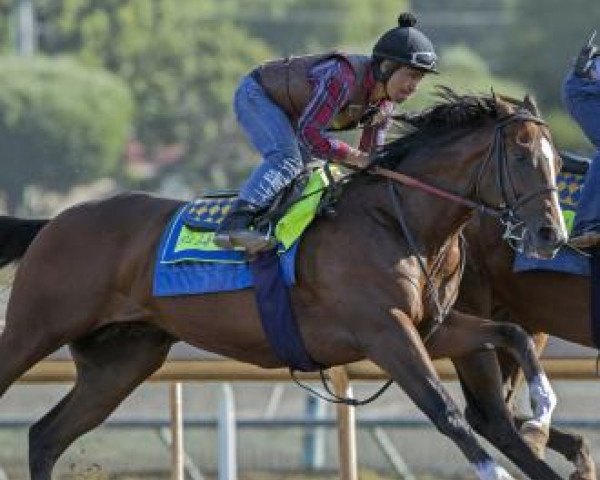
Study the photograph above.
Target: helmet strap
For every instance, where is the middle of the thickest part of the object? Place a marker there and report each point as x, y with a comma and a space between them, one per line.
384, 76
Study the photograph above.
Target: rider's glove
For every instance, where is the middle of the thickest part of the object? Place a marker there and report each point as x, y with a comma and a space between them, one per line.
584, 61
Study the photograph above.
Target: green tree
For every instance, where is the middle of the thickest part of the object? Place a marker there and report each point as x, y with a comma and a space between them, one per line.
464, 71
181, 64
304, 26
59, 123
545, 36
5, 25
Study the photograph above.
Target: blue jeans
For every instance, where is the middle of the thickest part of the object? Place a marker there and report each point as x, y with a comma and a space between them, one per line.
581, 97
269, 129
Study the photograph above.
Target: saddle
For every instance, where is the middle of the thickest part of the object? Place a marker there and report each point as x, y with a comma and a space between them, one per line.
573, 163
207, 212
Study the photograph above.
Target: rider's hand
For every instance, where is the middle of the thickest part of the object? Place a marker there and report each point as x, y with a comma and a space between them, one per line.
357, 158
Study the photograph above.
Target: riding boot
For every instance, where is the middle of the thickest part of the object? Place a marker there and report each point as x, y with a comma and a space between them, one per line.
236, 229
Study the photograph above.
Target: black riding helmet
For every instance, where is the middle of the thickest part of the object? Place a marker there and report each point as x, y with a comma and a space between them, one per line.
404, 45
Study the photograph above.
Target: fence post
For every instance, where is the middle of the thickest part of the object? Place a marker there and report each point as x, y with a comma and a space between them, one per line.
314, 437
346, 425
177, 455
227, 434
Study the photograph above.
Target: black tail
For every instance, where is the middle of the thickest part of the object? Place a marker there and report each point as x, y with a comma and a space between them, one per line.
16, 235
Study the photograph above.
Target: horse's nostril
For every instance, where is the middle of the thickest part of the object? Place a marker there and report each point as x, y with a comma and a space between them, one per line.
550, 235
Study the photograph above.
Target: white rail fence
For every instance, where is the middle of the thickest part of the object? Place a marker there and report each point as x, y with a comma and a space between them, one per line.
175, 372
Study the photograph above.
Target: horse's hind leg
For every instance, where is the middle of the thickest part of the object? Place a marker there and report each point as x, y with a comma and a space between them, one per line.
108, 369
20, 349
486, 410
463, 334
47, 309
489, 415
574, 448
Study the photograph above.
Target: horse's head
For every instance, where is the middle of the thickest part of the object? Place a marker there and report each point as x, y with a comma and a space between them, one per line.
498, 153
521, 179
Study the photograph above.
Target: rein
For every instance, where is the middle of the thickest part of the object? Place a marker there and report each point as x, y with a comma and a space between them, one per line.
453, 197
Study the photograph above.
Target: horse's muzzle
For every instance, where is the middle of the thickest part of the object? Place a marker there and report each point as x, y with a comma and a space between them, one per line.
545, 243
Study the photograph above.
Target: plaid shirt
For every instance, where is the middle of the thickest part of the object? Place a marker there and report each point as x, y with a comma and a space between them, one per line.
332, 82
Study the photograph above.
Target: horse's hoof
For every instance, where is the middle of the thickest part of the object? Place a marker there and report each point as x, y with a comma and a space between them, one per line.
586, 469
577, 475
536, 437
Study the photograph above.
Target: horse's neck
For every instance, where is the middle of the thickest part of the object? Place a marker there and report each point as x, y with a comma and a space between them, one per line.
432, 219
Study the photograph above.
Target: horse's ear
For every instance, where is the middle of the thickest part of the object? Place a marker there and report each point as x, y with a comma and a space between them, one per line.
530, 104
503, 108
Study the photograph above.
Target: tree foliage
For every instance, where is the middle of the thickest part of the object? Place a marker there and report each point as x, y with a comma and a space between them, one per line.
303, 26
181, 64
464, 71
545, 36
59, 123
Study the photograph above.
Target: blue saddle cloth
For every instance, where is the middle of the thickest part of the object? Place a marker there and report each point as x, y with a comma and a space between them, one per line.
184, 267
566, 260
189, 263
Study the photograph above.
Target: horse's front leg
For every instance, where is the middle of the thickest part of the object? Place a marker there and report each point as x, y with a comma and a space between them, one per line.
461, 334
537, 437
398, 349
514, 375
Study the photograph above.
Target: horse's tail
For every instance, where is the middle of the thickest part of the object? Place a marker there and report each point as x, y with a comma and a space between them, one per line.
16, 234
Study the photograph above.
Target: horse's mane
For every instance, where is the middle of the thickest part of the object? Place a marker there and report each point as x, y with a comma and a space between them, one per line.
453, 113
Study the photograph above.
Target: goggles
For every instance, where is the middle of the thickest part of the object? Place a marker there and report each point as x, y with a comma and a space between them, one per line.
425, 59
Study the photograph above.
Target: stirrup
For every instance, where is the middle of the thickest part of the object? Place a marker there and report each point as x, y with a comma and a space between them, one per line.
222, 240
252, 241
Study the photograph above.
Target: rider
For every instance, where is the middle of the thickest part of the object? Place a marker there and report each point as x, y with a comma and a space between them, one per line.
581, 96
286, 107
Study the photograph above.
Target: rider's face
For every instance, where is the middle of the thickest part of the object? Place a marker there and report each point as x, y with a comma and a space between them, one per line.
403, 83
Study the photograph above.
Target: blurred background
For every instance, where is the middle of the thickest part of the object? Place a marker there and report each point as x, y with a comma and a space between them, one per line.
98, 96
101, 96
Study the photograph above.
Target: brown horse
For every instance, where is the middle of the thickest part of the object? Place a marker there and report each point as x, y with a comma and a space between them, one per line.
541, 302
85, 279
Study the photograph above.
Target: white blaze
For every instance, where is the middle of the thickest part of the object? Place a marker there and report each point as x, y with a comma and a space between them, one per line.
548, 152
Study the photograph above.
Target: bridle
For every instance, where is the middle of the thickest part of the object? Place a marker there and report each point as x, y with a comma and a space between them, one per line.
507, 211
